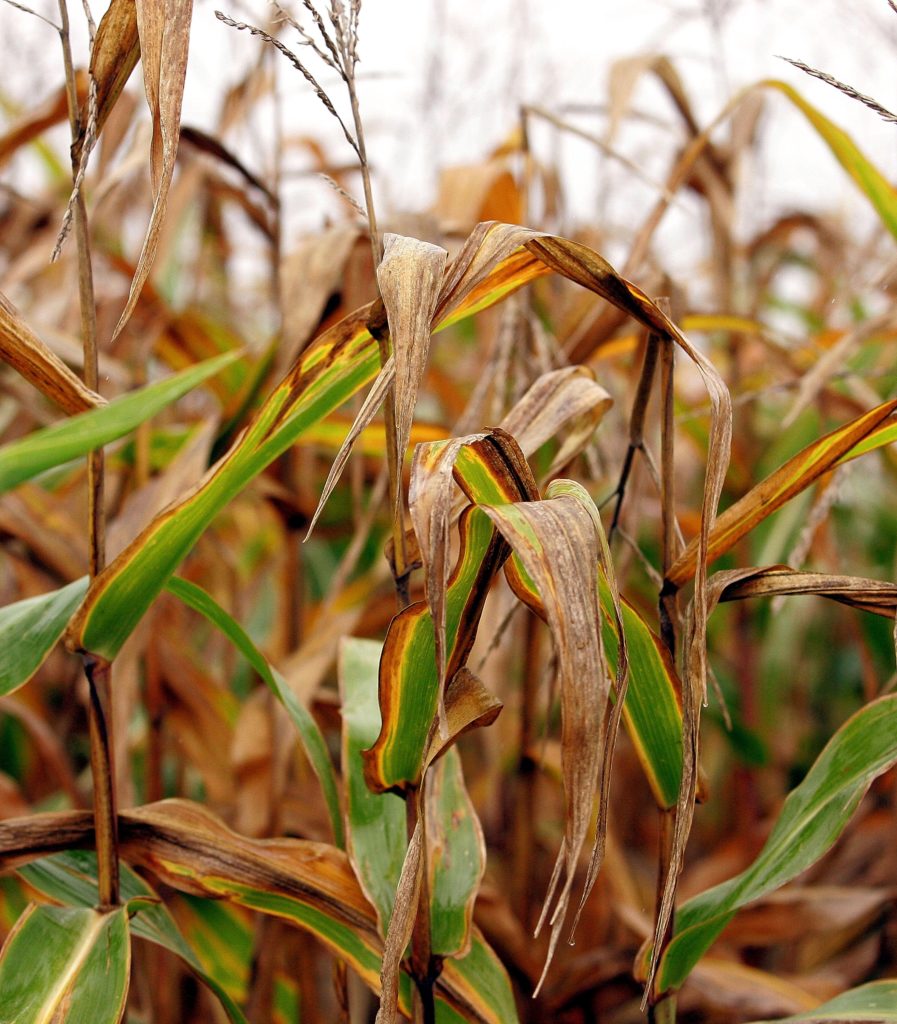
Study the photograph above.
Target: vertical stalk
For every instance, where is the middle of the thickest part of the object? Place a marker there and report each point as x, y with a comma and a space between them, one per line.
393, 456
636, 424
662, 1008
424, 966
98, 671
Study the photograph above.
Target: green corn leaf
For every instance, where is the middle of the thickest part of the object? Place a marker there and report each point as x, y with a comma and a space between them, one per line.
328, 373
377, 829
313, 742
377, 838
65, 964
875, 1003
70, 878
410, 686
78, 435
812, 818
456, 856
30, 629
652, 709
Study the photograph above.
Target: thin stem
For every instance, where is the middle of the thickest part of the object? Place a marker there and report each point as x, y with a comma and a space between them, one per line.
98, 671
425, 968
636, 424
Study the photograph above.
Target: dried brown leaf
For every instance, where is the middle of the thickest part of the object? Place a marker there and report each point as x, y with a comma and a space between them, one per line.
114, 56
309, 276
26, 353
557, 544
164, 31
876, 596
410, 277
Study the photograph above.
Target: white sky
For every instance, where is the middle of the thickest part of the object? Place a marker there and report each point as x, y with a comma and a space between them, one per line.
442, 81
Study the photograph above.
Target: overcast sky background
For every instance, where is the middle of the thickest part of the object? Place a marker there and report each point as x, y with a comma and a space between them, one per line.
442, 80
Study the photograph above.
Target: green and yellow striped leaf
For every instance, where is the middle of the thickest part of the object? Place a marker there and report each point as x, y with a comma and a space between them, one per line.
70, 879
65, 964
788, 480
812, 818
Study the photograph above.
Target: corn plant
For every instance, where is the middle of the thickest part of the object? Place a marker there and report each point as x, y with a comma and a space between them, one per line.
273, 746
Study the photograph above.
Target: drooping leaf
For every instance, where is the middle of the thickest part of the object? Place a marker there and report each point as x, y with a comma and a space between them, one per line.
29, 356
556, 542
30, 629
770, 494
876, 596
70, 878
874, 1003
65, 964
308, 884
61, 442
410, 277
114, 56
410, 690
652, 709
163, 28
812, 818
313, 742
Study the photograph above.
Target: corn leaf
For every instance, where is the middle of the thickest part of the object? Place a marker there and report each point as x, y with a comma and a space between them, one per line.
871, 181
410, 680
326, 375
556, 542
313, 742
409, 276
812, 818
163, 28
82, 971
114, 56
61, 442
456, 856
770, 494
876, 596
652, 707
875, 1003
29, 356
377, 839
70, 878
30, 629
308, 884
